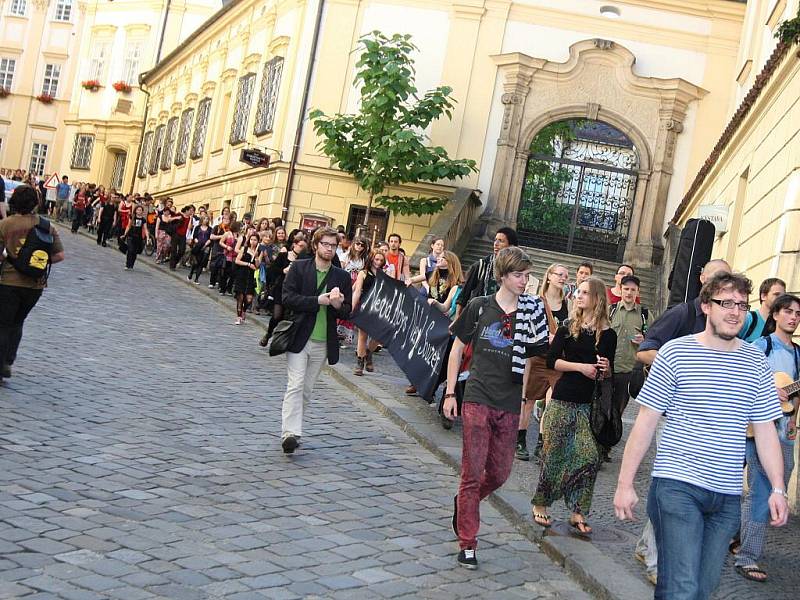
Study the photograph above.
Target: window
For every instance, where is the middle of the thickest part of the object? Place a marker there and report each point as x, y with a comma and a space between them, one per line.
183, 136
268, 99
130, 69
38, 158
242, 110
7, 68
63, 10
97, 64
119, 170
82, 151
145, 154
158, 147
18, 8
50, 83
200, 128
169, 144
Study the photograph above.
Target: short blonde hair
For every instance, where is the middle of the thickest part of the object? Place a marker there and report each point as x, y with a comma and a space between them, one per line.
509, 260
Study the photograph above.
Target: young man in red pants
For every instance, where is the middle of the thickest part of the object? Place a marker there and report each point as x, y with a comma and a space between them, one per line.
505, 330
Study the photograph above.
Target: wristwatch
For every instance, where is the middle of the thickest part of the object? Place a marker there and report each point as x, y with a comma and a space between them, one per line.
781, 492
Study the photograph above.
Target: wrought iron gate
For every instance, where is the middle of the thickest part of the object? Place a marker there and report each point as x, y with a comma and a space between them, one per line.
580, 202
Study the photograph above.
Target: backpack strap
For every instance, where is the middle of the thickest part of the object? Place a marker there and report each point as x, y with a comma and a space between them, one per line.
768, 349
753, 323
645, 314
612, 310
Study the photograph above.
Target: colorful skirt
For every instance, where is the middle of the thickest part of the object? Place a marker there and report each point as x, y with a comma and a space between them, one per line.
570, 457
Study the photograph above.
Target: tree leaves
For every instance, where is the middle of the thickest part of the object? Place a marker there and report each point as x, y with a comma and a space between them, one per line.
384, 144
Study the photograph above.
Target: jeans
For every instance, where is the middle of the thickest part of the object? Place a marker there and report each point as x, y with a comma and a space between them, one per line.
755, 504
487, 454
693, 527
15, 304
303, 371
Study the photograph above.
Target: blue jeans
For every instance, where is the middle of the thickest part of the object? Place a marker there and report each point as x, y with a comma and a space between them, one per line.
693, 527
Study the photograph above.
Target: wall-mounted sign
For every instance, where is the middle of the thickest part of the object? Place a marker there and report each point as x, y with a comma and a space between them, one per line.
253, 157
311, 222
718, 215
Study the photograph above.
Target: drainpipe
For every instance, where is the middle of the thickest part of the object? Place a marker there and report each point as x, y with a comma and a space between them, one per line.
163, 31
287, 193
141, 133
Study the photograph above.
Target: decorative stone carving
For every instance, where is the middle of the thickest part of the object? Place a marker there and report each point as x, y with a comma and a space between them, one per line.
596, 82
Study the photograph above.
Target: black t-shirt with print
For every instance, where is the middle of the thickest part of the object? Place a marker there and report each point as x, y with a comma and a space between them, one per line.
490, 380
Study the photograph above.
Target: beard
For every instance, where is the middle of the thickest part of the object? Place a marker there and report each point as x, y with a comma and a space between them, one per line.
723, 335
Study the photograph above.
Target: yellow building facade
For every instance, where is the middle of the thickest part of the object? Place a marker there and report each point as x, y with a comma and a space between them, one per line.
38, 49
102, 125
656, 73
752, 177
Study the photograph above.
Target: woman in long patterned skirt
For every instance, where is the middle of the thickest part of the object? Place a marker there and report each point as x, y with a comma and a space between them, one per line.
582, 351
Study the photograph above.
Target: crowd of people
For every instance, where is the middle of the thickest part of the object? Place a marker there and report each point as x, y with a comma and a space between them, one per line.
522, 348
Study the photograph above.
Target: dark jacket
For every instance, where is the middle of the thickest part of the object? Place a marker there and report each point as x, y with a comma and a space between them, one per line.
300, 296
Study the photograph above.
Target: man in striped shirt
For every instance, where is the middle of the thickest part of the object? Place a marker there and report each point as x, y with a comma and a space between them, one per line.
709, 385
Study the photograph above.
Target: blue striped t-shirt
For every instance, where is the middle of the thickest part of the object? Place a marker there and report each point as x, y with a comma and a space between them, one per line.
708, 396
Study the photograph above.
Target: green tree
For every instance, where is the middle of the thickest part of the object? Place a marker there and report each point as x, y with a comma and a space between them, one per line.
384, 144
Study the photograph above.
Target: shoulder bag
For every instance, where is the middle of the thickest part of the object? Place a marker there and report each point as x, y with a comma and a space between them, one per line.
285, 330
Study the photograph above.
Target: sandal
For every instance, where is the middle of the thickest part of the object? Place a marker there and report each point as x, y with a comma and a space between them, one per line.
581, 527
752, 572
543, 520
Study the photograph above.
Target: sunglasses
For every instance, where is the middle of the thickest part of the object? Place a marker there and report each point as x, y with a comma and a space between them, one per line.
508, 329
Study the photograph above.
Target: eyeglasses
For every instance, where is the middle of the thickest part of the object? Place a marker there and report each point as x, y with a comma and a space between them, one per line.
359, 243
507, 327
729, 304
328, 245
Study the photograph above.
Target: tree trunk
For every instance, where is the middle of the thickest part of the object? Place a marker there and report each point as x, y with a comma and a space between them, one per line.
364, 229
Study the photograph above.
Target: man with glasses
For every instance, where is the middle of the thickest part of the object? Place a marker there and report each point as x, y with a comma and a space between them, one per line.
318, 293
695, 497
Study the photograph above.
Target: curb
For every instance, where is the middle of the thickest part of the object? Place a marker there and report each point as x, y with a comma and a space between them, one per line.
595, 572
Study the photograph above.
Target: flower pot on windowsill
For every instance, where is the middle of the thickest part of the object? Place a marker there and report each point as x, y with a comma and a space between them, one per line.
45, 98
122, 87
91, 84
4, 92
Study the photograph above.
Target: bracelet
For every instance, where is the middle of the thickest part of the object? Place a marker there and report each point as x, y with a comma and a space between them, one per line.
780, 491
452, 395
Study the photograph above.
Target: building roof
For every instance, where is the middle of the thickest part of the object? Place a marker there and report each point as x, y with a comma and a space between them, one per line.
763, 78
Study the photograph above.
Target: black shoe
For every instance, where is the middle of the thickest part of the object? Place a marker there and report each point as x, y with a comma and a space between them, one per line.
522, 452
5, 371
289, 444
468, 559
537, 452
455, 514
446, 423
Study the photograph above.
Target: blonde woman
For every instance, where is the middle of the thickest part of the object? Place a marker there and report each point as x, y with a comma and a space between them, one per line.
444, 281
583, 351
553, 283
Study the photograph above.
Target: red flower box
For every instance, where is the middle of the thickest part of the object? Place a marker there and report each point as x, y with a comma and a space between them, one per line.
122, 87
45, 98
91, 84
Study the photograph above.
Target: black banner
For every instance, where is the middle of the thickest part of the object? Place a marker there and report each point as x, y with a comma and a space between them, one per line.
415, 333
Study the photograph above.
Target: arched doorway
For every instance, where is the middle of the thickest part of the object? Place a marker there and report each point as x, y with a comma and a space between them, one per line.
578, 190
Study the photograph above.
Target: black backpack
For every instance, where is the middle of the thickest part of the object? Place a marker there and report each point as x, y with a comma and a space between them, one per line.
33, 258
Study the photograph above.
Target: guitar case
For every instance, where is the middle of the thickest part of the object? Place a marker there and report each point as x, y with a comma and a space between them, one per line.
694, 251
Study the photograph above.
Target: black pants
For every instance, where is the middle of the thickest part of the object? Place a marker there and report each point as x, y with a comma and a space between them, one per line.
134, 248
15, 304
217, 265
177, 249
77, 220
226, 278
621, 397
103, 232
199, 264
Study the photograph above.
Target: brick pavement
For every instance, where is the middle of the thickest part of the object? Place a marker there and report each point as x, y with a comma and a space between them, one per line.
140, 458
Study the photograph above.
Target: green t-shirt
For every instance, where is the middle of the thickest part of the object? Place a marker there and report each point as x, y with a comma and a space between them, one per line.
320, 331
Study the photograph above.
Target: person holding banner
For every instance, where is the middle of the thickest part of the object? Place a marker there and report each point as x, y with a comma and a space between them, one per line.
505, 331
364, 282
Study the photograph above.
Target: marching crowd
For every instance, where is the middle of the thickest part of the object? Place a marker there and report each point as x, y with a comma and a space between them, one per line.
557, 349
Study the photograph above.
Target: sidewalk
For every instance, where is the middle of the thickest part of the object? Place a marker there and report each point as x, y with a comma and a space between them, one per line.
605, 566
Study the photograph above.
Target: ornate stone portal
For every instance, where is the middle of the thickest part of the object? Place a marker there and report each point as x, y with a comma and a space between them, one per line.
596, 82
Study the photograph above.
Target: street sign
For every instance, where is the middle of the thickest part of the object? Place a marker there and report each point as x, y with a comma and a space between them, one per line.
52, 182
254, 158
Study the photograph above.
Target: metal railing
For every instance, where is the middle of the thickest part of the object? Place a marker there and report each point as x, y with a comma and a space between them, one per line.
454, 224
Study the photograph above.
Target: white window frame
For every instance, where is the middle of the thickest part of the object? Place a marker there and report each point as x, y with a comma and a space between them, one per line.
63, 11
8, 66
118, 172
82, 151
101, 51
38, 158
50, 80
18, 8
133, 57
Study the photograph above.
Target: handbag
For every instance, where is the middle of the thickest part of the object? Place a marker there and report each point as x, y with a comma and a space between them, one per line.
605, 419
285, 330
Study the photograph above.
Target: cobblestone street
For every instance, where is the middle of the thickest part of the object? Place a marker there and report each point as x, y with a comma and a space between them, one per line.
140, 458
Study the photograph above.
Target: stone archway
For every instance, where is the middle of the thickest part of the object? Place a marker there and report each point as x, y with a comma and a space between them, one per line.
596, 83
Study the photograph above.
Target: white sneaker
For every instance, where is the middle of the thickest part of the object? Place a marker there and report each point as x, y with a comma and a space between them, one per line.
238, 321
